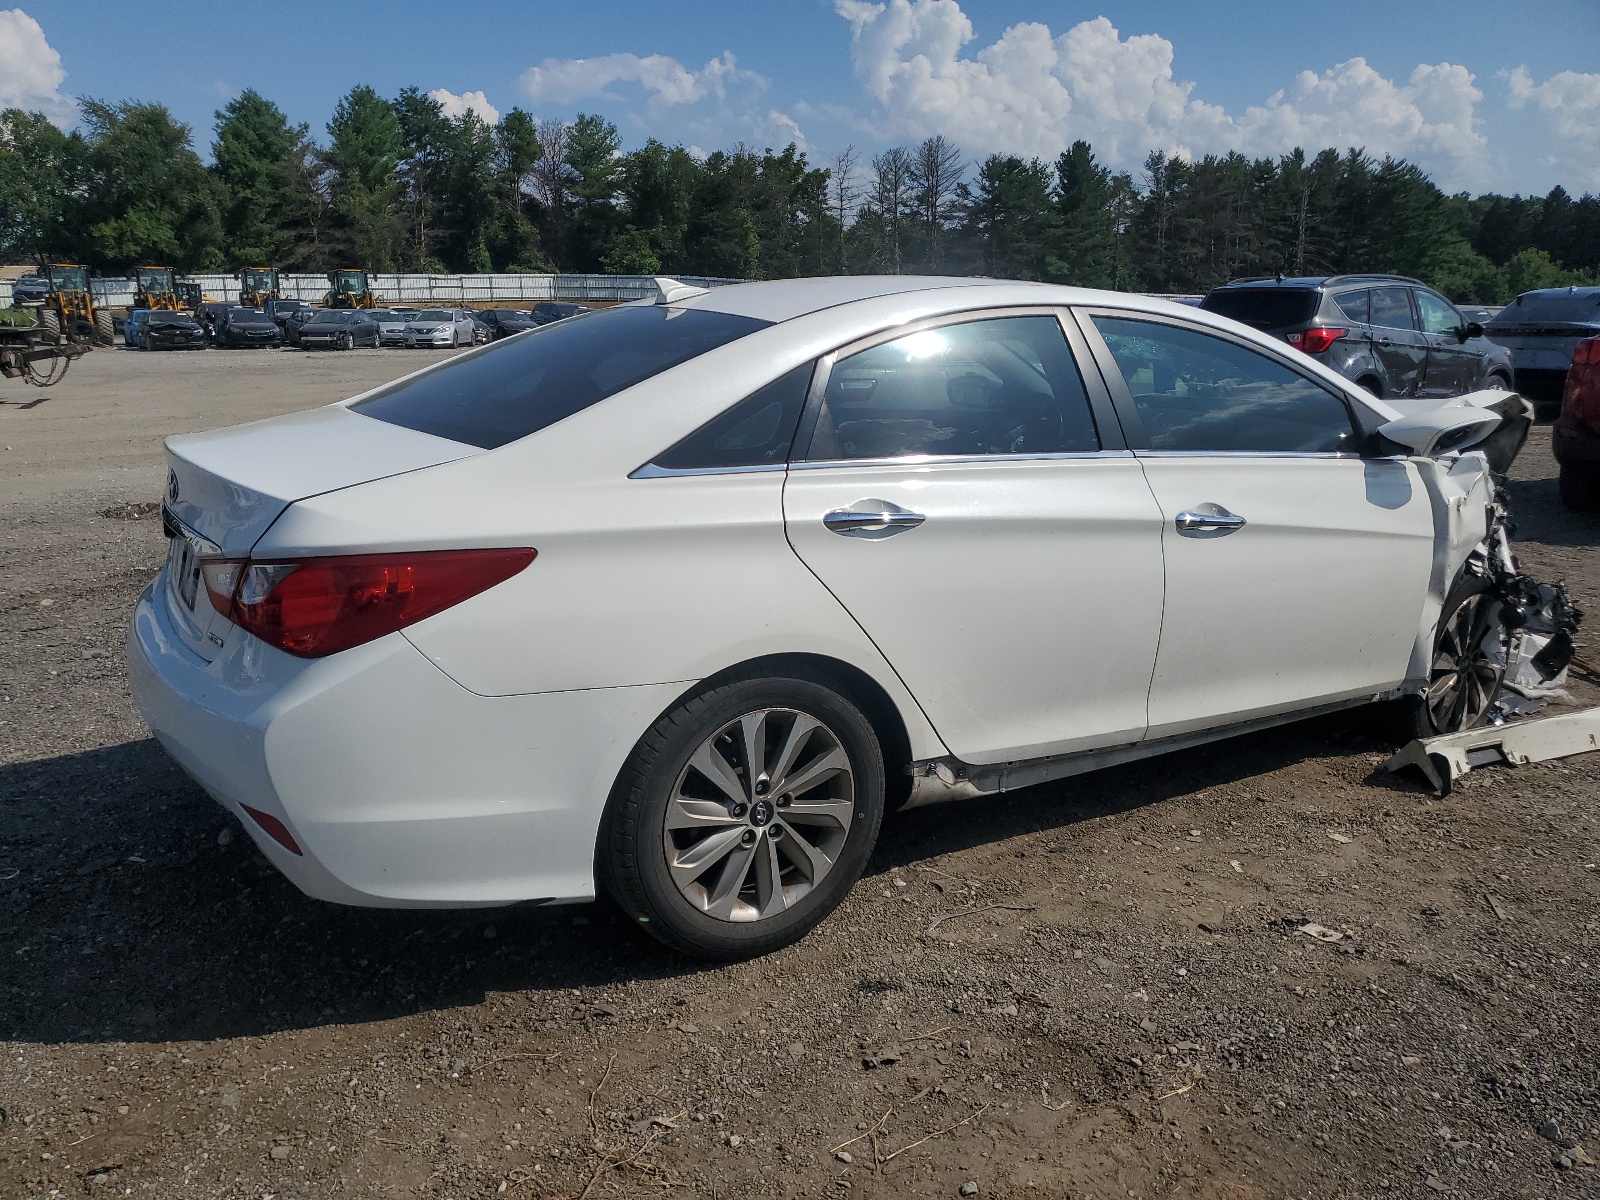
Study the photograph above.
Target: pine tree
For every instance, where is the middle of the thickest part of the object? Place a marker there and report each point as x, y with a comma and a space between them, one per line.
263, 196
363, 158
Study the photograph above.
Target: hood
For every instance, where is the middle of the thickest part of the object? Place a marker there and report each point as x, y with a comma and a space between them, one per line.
230, 485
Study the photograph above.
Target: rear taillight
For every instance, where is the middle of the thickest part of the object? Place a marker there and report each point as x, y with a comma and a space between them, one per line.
1315, 341
1582, 400
313, 607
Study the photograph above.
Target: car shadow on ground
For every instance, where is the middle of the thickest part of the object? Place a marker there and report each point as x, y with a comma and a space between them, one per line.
126, 920
1538, 516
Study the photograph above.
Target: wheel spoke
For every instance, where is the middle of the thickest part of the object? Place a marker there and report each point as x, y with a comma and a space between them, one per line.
812, 862
769, 879
689, 864
820, 812
754, 728
799, 733
718, 772
688, 812
823, 767
724, 898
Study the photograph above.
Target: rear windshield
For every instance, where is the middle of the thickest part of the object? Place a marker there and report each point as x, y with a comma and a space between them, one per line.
1550, 308
518, 386
1264, 308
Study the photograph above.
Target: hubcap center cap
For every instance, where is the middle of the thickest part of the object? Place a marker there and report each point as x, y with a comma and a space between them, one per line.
761, 813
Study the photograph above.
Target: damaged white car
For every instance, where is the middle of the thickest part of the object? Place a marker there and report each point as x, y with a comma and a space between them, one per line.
675, 599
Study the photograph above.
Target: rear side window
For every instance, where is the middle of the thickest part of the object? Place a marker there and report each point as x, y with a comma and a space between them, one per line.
1195, 393
1264, 308
1391, 308
1007, 385
518, 386
756, 432
1354, 305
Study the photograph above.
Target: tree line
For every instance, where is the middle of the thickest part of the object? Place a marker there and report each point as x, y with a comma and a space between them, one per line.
399, 185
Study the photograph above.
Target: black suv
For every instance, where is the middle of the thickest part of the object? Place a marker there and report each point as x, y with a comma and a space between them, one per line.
1393, 336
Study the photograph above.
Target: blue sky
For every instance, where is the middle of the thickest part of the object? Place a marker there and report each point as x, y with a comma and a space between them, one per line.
1485, 95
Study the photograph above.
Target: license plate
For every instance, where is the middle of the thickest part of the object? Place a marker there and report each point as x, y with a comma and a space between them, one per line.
183, 566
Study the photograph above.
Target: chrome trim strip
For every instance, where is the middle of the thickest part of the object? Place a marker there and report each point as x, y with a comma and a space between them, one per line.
1245, 454
651, 471
934, 460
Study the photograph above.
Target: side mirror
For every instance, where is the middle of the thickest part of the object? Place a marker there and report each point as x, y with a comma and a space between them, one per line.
1469, 331
1441, 430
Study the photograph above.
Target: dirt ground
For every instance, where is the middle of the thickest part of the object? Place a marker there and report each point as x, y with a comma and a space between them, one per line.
1094, 988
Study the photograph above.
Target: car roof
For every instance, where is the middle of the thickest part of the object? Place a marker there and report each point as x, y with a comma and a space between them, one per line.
1317, 281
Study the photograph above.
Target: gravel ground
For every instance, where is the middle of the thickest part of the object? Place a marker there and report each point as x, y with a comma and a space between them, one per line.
1094, 988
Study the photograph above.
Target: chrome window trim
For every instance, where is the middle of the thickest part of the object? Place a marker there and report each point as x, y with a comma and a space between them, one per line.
651, 471
939, 460
1246, 454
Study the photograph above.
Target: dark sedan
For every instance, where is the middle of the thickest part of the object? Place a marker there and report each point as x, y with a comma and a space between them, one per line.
503, 322
548, 311
1541, 330
171, 331
246, 327
339, 329
30, 289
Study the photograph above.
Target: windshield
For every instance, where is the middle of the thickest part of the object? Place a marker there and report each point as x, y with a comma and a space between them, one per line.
168, 318
251, 318
1263, 308
1577, 306
154, 280
518, 386
329, 316
351, 281
71, 279
433, 314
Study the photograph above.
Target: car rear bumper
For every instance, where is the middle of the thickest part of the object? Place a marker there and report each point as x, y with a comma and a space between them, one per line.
402, 789
1571, 443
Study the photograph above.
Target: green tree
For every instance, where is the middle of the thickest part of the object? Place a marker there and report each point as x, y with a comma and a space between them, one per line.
1085, 251
518, 153
263, 194
429, 143
146, 196
41, 177
1011, 220
594, 156
363, 157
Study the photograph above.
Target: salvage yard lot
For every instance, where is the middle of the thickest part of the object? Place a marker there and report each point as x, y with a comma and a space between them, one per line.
1090, 988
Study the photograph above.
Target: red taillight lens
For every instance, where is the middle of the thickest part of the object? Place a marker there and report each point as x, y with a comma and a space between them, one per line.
1587, 353
275, 829
313, 607
1315, 341
1582, 400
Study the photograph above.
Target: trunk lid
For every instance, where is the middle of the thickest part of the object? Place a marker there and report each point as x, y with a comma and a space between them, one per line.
229, 485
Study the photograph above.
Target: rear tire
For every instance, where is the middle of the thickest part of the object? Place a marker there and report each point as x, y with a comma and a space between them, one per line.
105, 329
1580, 487
347, 342
1371, 386
50, 322
1467, 668
720, 865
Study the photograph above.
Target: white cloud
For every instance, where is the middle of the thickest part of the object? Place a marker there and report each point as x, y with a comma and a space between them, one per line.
1033, 92
31, 74
1569, 103
475, 102
664, 79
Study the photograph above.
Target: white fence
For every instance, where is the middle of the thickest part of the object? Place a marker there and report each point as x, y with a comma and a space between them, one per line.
431, 289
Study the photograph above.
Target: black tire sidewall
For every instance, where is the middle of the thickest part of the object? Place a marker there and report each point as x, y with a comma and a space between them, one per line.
1579, 486
633, 863
1465, 588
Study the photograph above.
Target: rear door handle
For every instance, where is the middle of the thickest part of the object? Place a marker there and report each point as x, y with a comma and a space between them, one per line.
1219, 522
875, 519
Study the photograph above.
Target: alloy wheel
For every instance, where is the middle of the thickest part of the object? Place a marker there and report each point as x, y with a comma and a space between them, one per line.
1468, 665
759, 815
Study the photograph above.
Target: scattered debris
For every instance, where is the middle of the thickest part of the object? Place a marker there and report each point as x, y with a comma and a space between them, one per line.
1342, 838
982, 908
1322, 933
1443, 760
1500, 910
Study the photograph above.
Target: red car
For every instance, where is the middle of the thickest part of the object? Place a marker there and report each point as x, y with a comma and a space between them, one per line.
1576, 438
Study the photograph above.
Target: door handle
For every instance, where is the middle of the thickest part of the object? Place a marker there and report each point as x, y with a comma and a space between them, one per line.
1197, 524
887, 520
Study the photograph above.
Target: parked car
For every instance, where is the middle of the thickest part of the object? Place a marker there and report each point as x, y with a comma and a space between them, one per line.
163, 330
503, 322
131, 325
30, 289
246, 327
281, 310
1392, 336
641, 601
549, 311
1576, 436
1541, 331
339, 329
391, 326
293, 321
441, 327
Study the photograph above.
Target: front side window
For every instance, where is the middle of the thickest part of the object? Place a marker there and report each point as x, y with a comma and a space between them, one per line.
1391, 308
1438, 314
1006, 385
1197, 393
517, 386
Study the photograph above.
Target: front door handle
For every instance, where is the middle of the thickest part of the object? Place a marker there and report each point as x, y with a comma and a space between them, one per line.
875, 519
1210, 520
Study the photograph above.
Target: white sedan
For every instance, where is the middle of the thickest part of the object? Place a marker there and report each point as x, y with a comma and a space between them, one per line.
441, 327
674, 599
